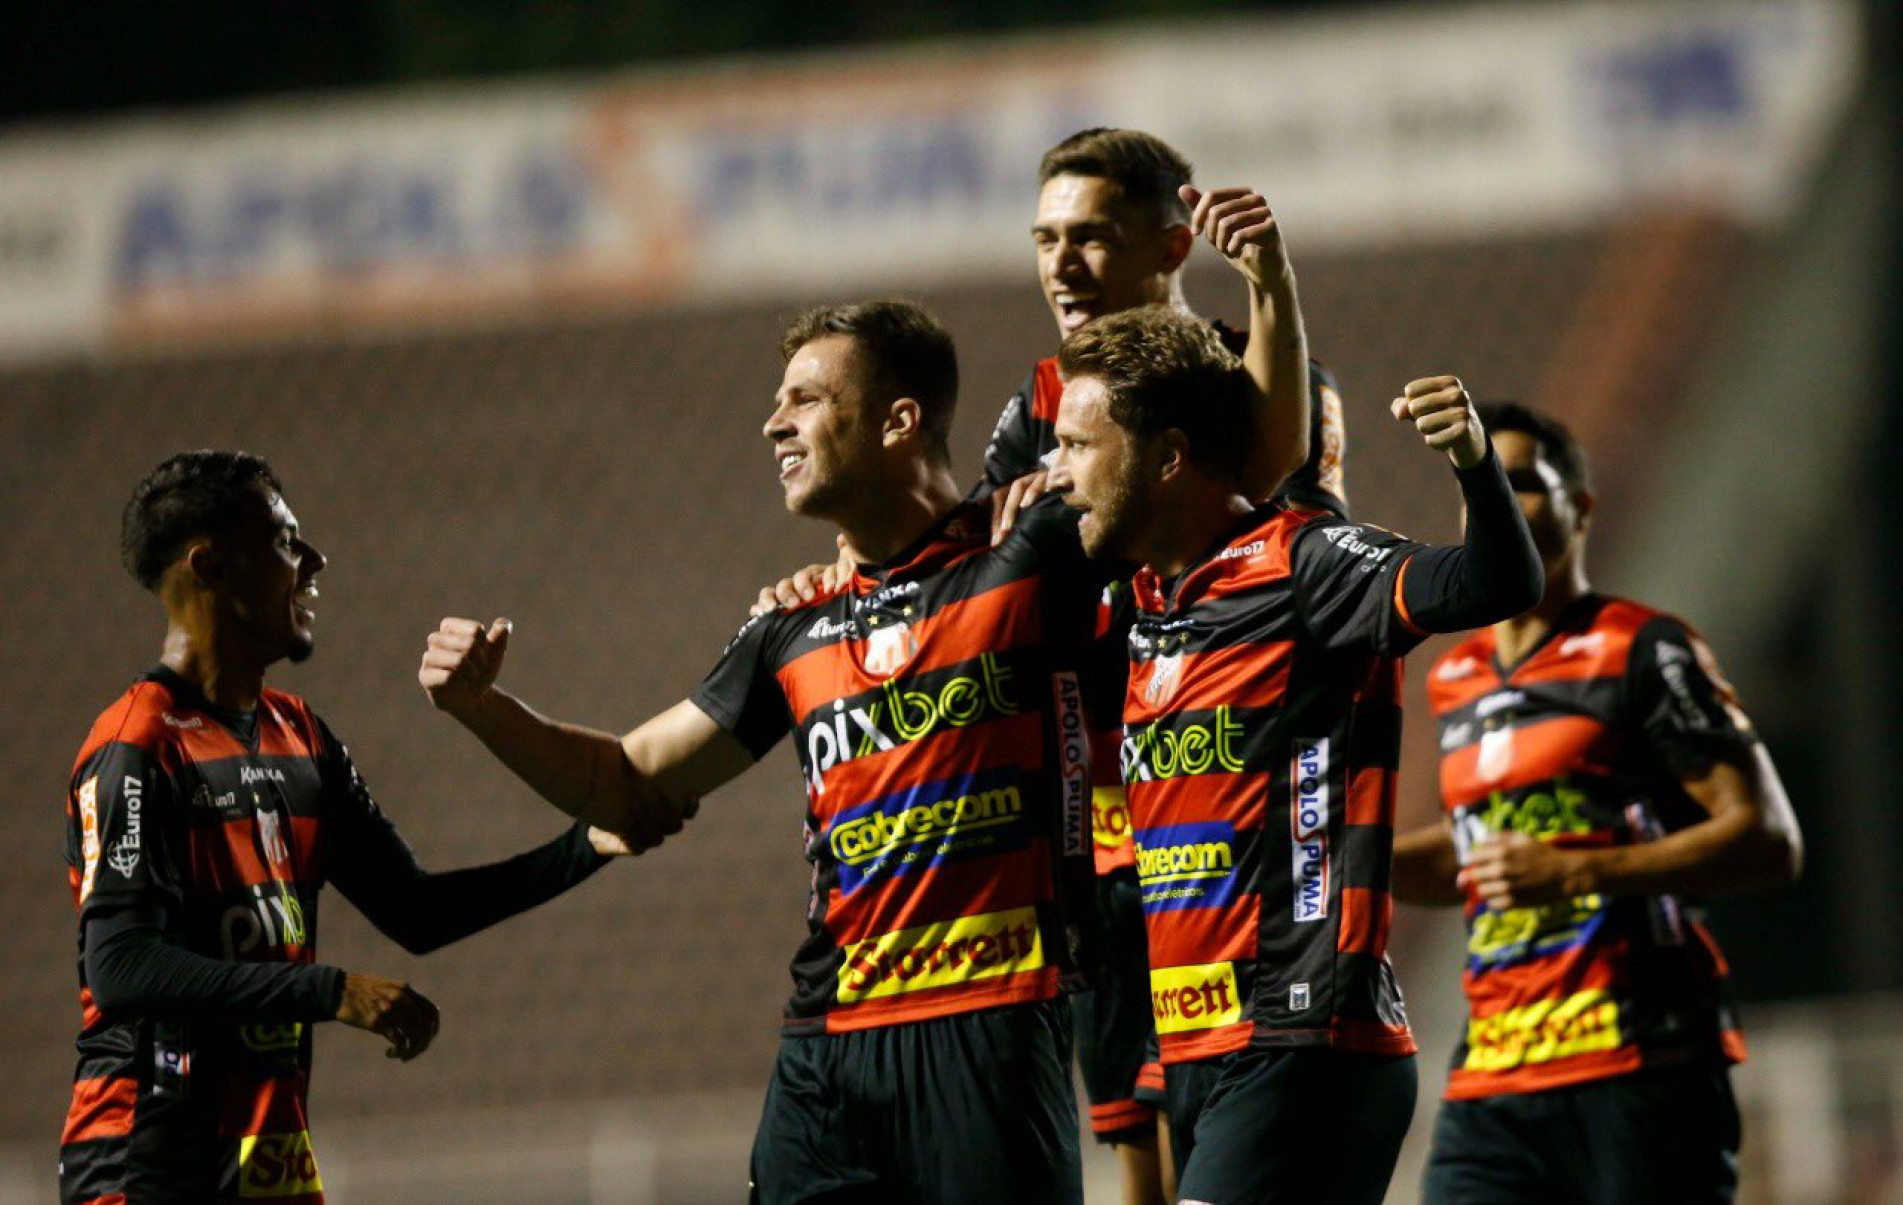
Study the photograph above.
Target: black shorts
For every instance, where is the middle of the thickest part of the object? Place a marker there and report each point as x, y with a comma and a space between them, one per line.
976, 1107
1305, 1125
1114, 1025
1660, 1135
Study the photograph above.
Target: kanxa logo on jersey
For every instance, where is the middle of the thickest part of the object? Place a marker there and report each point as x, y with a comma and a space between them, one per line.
905, 710
1308, 829
1195, 997
941, 955
1187, 866
970, 816
1073, 746
1182, 749
277, 1165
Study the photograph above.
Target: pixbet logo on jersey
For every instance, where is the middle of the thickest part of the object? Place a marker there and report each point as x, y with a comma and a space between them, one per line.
1184, 749
899, 712
1308, 826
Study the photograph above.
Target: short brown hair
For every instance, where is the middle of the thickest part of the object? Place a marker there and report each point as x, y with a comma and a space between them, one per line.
1165, 370
192, 494
1147, 169
908, 353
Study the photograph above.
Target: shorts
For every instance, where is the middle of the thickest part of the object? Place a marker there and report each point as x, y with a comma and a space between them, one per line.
1114, 1025
972, 1107
1659, 1135
1301, 1125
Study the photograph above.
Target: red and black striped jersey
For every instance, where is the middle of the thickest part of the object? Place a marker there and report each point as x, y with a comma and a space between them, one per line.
1024, 438
1262, 735
1584, 744
938, 717
176, 806
213, 831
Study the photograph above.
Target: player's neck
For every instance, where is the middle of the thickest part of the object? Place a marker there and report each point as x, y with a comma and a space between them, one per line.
1514, 638
1181, 534
224, 676
895, 519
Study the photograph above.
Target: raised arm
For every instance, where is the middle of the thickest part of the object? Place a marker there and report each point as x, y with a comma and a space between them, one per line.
1238, 223
643, 786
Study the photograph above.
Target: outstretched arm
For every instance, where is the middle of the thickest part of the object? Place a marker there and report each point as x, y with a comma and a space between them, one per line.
1239, 224
643, 786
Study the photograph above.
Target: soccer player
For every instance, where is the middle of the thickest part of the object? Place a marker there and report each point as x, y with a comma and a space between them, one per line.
1598, 776
206, 811
1117, 217
1262, 726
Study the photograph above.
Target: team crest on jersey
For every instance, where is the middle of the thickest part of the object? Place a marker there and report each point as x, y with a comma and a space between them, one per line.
889, 647
1496, 754
271, 837
1166, 674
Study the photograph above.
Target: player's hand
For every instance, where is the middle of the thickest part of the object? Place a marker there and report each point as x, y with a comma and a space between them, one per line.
391, 1009
1442, 412
1007, 502
1514, 870
461, 663
1238, 223
656, 827
807, 584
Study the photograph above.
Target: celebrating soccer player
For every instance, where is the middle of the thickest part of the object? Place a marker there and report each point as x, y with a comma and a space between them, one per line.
206, 811
1598, 776
1262, 727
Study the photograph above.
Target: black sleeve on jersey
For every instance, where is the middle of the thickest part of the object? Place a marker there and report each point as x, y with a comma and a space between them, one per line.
1495, 575
135, 810
131, 967
1343, 577
1687, 710
741, 694
423, 910
1013, 450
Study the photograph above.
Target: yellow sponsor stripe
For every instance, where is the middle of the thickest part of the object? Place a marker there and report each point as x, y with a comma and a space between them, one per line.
1543, 1031
1194, 997
942, 954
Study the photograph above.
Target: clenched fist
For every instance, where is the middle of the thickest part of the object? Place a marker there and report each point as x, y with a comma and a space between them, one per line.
1442, 412
461, 663
1238, 223
391, 1009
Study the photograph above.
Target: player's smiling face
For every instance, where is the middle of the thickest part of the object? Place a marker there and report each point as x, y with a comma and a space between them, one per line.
1097, 252
822, 439
1097, 468
272, 585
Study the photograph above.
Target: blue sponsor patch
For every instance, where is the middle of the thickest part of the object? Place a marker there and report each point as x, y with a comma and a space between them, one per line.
970, 816
1187, 866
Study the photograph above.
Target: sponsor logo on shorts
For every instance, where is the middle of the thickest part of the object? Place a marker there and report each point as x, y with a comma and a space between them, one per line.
1308, 830
1187, 866
941, 955
970, 816
1543, 1031
277, 1165
1195, 997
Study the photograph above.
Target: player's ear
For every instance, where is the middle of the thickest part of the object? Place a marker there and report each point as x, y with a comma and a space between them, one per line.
1584, 503
205, 563
1177, 242
1168, 454
903, 421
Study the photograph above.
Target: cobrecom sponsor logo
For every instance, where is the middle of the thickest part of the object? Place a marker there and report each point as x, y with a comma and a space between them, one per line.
1308, 825
1187, 866
1195, 997
277, 1165
903, 711
973, 815
941, 955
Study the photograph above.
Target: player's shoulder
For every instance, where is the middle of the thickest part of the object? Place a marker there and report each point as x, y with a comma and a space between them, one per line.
1045, 386
147, 718
1625, 625
292, 711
